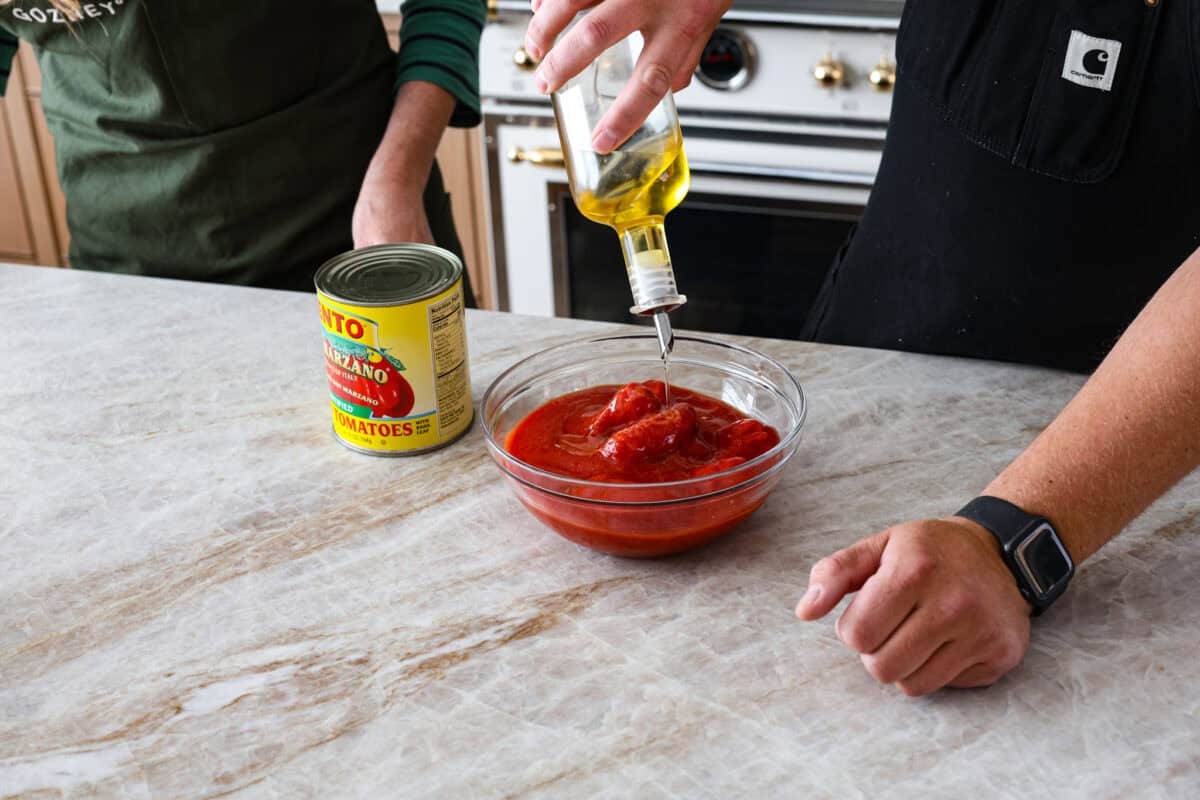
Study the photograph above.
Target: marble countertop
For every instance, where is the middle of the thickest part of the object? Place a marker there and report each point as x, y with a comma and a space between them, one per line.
202, 594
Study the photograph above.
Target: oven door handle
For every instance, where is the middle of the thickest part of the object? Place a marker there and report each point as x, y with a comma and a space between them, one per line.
783, 173
538, 156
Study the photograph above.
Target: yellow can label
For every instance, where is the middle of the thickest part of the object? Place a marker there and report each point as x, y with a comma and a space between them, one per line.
398, 375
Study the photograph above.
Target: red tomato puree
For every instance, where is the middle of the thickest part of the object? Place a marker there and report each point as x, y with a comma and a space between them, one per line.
628, 434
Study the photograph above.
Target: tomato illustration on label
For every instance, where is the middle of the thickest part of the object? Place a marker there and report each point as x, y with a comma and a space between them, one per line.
368, 379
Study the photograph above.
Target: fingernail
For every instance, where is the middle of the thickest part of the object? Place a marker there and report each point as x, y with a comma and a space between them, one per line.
604, 141
540, 83
812, 595
533, 51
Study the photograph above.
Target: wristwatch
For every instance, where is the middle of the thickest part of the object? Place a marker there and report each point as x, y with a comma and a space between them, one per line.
1030, 546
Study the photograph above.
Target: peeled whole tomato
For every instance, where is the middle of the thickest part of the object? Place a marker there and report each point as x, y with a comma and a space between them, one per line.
627, 434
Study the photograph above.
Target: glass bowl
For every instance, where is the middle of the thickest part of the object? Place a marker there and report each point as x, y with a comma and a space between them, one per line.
646, 519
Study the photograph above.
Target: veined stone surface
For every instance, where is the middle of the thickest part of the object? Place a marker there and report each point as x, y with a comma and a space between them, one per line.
202, 594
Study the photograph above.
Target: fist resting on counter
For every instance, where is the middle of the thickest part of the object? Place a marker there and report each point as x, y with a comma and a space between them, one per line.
935, 605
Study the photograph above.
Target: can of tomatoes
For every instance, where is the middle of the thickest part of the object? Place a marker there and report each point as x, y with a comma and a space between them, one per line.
396, 348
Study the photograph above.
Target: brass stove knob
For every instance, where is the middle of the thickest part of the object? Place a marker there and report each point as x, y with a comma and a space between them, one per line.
883, 77
524, 61
829, 72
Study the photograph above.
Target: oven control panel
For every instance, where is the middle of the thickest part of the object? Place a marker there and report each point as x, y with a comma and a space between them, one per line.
728, 60
745, 69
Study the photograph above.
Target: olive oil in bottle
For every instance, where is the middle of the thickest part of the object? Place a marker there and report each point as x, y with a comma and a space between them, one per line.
634, 187
635, 184
631, 190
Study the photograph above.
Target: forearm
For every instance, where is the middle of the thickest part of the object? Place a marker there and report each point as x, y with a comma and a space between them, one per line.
1130, 434
935, 604
419, 118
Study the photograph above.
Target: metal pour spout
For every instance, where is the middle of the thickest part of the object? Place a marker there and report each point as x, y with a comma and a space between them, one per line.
666, 336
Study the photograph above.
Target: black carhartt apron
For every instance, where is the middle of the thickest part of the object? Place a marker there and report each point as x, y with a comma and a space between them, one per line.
1039, 181
217, 140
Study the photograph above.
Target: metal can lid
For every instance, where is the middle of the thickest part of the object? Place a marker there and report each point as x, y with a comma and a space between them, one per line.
388, 274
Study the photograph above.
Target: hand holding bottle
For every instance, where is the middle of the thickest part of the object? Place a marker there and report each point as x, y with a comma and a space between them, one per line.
674, 33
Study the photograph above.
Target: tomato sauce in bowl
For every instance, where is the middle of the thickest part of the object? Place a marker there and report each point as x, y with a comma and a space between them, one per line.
631, 434
610, 465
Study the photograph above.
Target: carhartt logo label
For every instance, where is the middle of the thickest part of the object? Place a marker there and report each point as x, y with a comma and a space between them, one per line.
1091, 62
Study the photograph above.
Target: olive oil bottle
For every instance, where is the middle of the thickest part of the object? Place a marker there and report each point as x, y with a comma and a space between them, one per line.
634, 187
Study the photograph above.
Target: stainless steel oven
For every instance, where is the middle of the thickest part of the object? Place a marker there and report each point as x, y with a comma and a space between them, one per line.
782, 167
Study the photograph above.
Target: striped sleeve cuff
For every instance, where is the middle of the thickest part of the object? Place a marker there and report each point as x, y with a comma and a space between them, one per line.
439, 43
8, 51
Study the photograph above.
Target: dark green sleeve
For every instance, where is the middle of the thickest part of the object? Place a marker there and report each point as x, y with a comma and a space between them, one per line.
8, 51
439, 43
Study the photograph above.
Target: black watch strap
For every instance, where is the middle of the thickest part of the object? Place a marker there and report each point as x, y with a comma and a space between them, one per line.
1006, 521
1030, 547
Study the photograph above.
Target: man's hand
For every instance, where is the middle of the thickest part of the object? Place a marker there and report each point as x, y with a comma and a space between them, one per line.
936, 605
388, 212
674, 33
390, 205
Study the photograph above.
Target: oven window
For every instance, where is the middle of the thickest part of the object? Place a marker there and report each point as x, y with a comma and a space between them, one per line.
748, 266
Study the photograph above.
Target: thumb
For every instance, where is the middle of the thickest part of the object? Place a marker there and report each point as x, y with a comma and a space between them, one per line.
836, 576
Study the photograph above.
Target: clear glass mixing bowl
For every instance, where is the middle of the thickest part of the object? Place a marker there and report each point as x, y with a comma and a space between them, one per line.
646, 519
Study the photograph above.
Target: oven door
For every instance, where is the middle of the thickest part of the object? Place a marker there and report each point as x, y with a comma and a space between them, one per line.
751, 244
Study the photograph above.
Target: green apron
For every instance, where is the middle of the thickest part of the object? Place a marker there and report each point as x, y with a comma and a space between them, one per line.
216, 140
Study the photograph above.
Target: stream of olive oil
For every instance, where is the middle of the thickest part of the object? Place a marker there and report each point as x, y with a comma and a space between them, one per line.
666, 357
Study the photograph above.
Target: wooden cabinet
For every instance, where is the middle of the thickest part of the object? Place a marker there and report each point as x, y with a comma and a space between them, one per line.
460, 157
45, 148
33, 227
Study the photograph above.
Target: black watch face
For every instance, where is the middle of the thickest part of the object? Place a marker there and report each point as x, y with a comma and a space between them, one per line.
1044, 560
